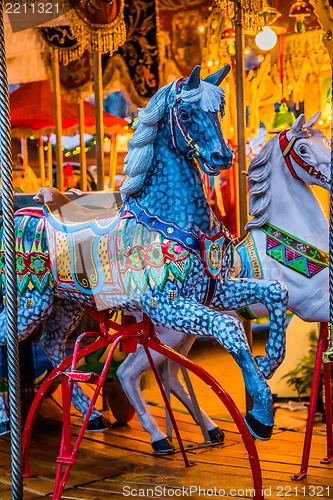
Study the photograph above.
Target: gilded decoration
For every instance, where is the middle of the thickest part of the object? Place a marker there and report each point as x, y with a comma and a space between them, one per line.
179, 4
137, 60
98, 24
62, 39
253, 20
180, 24
305, 62
312, 65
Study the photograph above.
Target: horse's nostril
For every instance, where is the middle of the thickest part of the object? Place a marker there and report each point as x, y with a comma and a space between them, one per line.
217, 158
220, 159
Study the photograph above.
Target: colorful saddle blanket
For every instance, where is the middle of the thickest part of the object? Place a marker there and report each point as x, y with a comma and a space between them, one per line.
33, 267
115, 256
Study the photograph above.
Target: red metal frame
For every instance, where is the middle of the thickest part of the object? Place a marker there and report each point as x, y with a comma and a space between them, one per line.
129, 335
322, 347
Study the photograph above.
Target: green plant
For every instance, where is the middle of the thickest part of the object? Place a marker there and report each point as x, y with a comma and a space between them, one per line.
300, 378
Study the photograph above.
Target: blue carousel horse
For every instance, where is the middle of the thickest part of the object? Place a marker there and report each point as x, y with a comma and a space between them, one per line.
165, 253
287, 238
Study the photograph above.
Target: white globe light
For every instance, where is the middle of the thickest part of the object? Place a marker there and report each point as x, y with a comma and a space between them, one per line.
266, 39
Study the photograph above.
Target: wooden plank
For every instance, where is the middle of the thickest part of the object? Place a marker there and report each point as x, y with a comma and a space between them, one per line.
120, 457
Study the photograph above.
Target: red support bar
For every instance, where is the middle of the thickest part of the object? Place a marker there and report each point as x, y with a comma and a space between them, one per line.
328, 407
142, 332
322, 346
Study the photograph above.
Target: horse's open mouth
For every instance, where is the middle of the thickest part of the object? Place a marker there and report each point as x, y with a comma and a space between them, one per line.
214, 169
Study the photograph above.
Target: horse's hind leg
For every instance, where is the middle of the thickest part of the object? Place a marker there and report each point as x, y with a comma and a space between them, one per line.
129, 374
64, 317
171, 370
33, 308
237, 293
194, 318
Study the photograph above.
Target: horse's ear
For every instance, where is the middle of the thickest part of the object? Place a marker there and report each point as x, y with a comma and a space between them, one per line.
219, 76
298, 124
193, 81
312, 121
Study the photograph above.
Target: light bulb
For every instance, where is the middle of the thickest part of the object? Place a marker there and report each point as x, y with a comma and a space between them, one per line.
266, 39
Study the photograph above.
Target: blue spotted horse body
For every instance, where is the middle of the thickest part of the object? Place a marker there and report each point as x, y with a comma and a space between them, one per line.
166, 254
38, 303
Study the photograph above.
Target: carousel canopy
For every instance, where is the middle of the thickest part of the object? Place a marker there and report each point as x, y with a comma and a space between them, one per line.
32, 113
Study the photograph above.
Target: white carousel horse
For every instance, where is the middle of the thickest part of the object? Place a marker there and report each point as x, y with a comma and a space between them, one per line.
287, 239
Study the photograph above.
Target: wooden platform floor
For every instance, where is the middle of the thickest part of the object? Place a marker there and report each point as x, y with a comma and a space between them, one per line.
119, 463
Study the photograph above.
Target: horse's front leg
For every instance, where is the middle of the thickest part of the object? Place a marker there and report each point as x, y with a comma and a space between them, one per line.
236, 293
191, 317
64, 317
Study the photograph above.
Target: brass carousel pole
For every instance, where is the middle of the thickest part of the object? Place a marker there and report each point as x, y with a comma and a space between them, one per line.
113, 162
83, 158
49, 160
98, 89
41, 159
58, 118
242, 208
242, 205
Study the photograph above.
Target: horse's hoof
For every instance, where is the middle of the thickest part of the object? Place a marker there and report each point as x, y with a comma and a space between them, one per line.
4, 427
257, 428
163, 447
216, 435
98, 424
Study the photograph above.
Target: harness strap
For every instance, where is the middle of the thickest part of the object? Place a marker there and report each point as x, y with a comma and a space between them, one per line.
173, 100
210, 291
288, 151
169, 230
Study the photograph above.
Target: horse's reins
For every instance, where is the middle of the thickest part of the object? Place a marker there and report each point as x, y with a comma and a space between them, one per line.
173, 101
289, 153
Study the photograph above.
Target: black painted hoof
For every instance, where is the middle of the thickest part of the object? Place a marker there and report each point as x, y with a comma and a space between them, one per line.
216, 435
98, 424
163, 447
4, 427
257, 428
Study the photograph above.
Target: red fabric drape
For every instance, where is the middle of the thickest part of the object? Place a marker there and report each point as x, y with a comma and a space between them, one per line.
32, 112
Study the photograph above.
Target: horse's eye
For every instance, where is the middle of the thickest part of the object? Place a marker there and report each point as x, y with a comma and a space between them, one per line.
183, 114
303, 150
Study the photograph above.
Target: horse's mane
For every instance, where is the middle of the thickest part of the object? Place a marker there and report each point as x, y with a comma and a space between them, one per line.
259, 183
141, 146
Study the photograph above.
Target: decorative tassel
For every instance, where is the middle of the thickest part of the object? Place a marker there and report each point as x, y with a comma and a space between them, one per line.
100, 38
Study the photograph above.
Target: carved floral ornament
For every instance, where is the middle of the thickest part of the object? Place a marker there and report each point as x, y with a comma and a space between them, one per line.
97, 24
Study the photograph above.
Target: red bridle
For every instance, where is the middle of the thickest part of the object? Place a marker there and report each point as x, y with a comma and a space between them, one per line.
289, 153
173, 102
